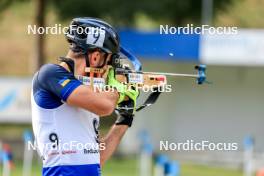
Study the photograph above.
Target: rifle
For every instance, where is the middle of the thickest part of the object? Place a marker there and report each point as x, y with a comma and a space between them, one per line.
138, 78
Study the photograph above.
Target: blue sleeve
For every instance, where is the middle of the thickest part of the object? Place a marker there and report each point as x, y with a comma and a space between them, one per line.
57, 80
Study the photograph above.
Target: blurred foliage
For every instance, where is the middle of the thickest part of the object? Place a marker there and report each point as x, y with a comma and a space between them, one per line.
14, 20
120, 12
4, 4
243, 13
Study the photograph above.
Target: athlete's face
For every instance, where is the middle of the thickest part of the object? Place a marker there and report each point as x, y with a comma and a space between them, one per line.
98, 58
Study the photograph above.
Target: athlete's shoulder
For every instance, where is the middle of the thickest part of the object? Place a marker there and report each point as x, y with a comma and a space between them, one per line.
51, 70
52, 80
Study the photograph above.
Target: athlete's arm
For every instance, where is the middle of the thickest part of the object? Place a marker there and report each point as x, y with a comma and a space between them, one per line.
100, 103
57, 81
123, 122
114, 136
111, 142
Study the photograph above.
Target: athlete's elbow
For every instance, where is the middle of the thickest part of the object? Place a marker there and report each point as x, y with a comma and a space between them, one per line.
107, 108
110, 108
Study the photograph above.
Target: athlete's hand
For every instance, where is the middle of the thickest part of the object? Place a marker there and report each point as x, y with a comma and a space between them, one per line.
126, 109
124, 90
132, 93
125, 113
121, 88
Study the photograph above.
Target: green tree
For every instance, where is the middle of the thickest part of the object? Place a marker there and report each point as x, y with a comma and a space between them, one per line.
4, 4
40, 6
123, 12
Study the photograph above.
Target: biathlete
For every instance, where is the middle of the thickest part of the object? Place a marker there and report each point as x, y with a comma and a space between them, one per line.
65, 111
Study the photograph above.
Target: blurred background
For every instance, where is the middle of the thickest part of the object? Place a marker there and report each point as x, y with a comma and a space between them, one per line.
230, 110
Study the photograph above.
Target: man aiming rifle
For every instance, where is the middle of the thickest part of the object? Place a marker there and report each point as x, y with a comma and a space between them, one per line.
65, 111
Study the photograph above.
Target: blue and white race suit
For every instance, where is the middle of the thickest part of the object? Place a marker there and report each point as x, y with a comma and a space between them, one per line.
66, 136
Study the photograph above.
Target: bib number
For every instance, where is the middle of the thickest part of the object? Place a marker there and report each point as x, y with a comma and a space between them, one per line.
53, 137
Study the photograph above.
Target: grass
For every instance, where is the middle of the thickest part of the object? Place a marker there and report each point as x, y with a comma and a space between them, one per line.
197, 170
128, 167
